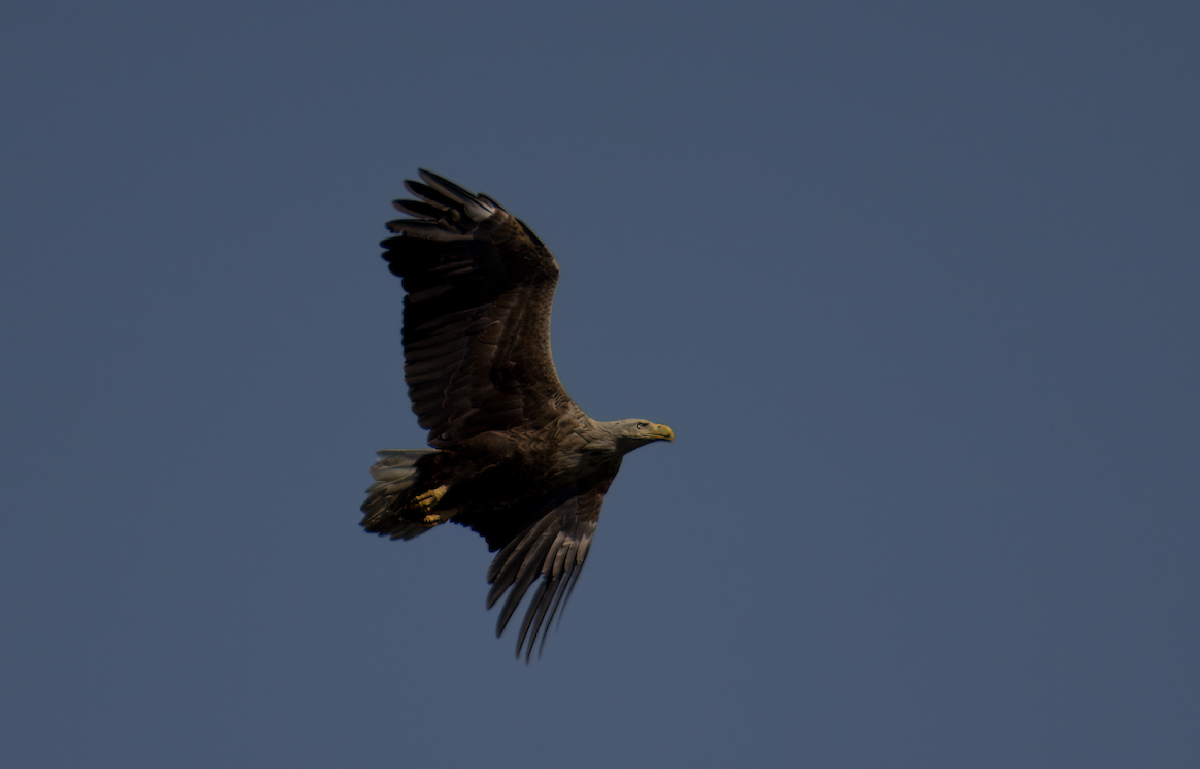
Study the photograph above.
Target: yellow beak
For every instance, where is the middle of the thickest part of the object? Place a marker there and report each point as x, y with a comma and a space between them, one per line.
662, 433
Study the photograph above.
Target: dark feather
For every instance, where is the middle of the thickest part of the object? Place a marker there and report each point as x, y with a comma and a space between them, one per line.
433, 196
552, 549
480, 289
419, 208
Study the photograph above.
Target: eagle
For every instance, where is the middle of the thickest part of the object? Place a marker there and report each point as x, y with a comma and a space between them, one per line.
511, 455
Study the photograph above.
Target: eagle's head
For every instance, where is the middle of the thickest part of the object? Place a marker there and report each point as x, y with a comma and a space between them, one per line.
634, 433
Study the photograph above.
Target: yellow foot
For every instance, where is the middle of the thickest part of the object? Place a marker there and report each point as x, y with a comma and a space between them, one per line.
429, 499
432, 519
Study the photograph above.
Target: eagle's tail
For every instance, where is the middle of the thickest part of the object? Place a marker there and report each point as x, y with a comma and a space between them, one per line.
387, 509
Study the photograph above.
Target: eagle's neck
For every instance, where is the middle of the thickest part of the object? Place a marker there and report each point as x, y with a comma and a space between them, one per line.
608, 438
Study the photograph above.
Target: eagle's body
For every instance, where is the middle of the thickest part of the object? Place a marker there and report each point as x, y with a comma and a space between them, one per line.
513, 456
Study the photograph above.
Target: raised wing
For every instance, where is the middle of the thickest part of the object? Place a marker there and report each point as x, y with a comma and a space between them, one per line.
552, 549
477, 316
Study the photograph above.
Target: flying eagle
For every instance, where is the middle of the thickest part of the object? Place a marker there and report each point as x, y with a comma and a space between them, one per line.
512, 457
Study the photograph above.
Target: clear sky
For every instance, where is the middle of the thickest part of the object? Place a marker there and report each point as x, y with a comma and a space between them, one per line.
916, 285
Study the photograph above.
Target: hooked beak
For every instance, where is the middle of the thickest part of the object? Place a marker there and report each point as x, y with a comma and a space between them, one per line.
661, 433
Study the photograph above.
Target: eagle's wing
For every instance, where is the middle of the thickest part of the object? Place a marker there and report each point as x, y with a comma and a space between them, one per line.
552, 549
477, 315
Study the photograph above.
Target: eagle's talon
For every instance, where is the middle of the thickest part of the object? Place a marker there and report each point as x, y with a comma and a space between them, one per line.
429, 499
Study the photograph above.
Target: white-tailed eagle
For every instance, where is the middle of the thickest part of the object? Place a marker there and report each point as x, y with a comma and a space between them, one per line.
512, 457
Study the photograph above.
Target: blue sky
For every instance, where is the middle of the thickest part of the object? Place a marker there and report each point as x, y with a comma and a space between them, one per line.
915, 285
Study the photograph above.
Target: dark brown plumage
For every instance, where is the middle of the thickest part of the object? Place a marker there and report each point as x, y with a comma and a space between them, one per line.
513, 457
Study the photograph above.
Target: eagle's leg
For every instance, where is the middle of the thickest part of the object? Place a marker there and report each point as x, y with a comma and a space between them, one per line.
427, 500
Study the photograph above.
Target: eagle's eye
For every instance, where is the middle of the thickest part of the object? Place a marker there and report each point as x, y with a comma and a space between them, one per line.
642, 425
